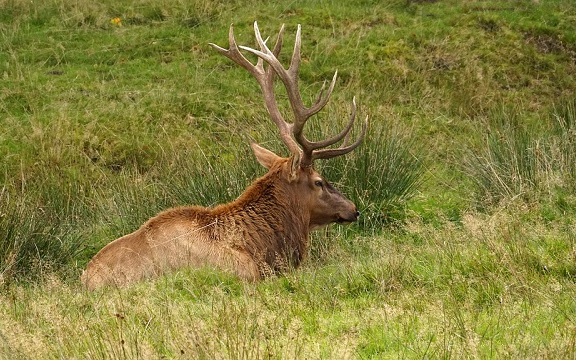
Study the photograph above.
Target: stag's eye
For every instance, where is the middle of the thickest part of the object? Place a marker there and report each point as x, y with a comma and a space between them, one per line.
319, 183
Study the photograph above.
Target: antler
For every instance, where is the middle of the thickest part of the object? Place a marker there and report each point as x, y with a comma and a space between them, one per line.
291, 133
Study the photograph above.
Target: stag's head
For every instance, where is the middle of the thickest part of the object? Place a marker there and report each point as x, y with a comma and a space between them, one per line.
325, 203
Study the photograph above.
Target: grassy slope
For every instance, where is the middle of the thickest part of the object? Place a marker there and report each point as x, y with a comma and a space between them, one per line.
102, 125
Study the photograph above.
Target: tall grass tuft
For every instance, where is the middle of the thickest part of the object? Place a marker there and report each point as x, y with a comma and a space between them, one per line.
506, 166
380, 175
38, 231
564, 117
520, 161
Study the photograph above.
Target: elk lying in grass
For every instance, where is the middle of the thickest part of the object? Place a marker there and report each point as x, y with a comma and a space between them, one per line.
265, 230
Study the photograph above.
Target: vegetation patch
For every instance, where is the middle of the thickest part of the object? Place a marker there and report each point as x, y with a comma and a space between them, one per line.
114, 111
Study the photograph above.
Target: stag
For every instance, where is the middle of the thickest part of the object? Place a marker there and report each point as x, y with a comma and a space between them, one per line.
263, 232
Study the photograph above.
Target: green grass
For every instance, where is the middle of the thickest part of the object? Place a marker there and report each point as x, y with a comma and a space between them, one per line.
466, 179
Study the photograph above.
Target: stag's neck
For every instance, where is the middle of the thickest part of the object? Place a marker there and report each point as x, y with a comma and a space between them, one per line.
271, 220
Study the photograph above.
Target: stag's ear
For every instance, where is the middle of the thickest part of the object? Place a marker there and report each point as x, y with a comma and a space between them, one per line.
294, 167
265, 157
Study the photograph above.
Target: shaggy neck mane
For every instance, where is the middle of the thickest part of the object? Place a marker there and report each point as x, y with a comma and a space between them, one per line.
270, 223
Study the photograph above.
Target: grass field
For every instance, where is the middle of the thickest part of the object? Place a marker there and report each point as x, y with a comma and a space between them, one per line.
466, 248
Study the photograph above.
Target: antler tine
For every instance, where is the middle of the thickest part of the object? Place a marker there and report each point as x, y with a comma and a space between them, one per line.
295, 61
235, 55
259, 40
269, 56
330, 153
351, 122
343, 134
322, 99
279, 39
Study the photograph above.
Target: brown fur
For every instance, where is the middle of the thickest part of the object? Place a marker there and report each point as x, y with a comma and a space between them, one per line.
263, 232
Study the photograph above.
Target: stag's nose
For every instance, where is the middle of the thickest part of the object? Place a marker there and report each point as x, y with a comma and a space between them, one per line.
354, 214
